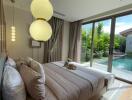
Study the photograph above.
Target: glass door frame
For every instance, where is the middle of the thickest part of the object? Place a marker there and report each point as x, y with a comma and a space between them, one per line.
92, 44
112, 35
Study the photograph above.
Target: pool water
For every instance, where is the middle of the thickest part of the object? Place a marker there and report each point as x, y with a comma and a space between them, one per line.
124, 62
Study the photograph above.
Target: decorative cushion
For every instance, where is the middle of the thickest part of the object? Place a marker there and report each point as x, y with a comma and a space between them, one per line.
36, 66
67, 62
71, 67
10, 62
13, 85
20, 62
34, 82
28, 60
29, 98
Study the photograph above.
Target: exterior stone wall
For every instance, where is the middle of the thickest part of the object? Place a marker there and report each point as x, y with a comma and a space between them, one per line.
129, 43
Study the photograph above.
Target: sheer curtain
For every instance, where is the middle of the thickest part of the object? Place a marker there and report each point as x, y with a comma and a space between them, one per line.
53, 47
75, 41
2, 28
2, 42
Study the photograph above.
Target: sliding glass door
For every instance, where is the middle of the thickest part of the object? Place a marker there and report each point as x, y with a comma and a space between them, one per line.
122, 53
95, 44
101, 43
107, 45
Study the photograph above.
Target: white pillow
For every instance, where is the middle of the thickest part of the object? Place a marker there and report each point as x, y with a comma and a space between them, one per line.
11, 62
13, 85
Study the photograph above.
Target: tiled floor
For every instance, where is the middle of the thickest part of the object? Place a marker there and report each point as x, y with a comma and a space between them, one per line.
119, 91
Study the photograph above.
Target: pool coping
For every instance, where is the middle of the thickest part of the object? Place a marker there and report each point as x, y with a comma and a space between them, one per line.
118, 72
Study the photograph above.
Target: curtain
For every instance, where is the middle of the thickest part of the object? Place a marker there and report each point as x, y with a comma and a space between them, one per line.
75, 41
53, 47
2, 42
2, 28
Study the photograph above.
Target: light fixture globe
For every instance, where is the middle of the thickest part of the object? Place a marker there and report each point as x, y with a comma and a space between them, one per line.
40, 30
42, 9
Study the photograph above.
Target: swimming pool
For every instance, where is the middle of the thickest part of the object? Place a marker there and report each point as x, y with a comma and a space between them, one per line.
124, 62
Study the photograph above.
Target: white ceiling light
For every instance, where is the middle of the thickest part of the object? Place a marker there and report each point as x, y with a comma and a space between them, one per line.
42, 9
40, 30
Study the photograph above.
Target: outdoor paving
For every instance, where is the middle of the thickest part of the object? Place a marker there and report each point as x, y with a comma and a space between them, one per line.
116, 90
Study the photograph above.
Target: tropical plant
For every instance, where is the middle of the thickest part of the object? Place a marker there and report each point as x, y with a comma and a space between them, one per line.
101, 42
99, 30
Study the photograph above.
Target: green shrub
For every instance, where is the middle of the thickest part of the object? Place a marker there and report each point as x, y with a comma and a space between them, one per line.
105, 53
98, 54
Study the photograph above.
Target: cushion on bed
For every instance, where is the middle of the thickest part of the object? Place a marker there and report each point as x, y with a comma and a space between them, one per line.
49, 95
13, 85
36, 66
20, 62
29, 98
71, 67
28, 60
10, 62
34, 82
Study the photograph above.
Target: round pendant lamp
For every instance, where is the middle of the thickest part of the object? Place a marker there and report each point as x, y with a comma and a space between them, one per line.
42, 9
40, 30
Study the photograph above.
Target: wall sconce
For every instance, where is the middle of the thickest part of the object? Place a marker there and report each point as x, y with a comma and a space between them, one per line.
13, 34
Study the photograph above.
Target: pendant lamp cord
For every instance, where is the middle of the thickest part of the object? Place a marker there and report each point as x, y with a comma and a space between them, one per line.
13, 14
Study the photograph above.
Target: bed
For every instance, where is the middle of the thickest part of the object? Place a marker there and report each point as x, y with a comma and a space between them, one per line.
79, 84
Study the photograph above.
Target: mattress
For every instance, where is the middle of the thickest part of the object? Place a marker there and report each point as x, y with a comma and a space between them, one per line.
65, 84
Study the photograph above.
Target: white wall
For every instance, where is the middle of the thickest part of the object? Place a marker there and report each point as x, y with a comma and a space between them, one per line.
21, 47
129, 44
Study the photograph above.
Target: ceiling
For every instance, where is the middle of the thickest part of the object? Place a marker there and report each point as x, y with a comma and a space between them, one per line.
76, 9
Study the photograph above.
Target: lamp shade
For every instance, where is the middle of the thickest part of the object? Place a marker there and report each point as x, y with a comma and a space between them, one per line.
42, 9
40, 30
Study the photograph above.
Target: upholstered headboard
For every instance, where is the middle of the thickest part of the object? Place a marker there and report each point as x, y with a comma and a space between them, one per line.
2, 62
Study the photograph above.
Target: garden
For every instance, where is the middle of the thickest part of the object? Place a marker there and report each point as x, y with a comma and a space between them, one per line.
101, 43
